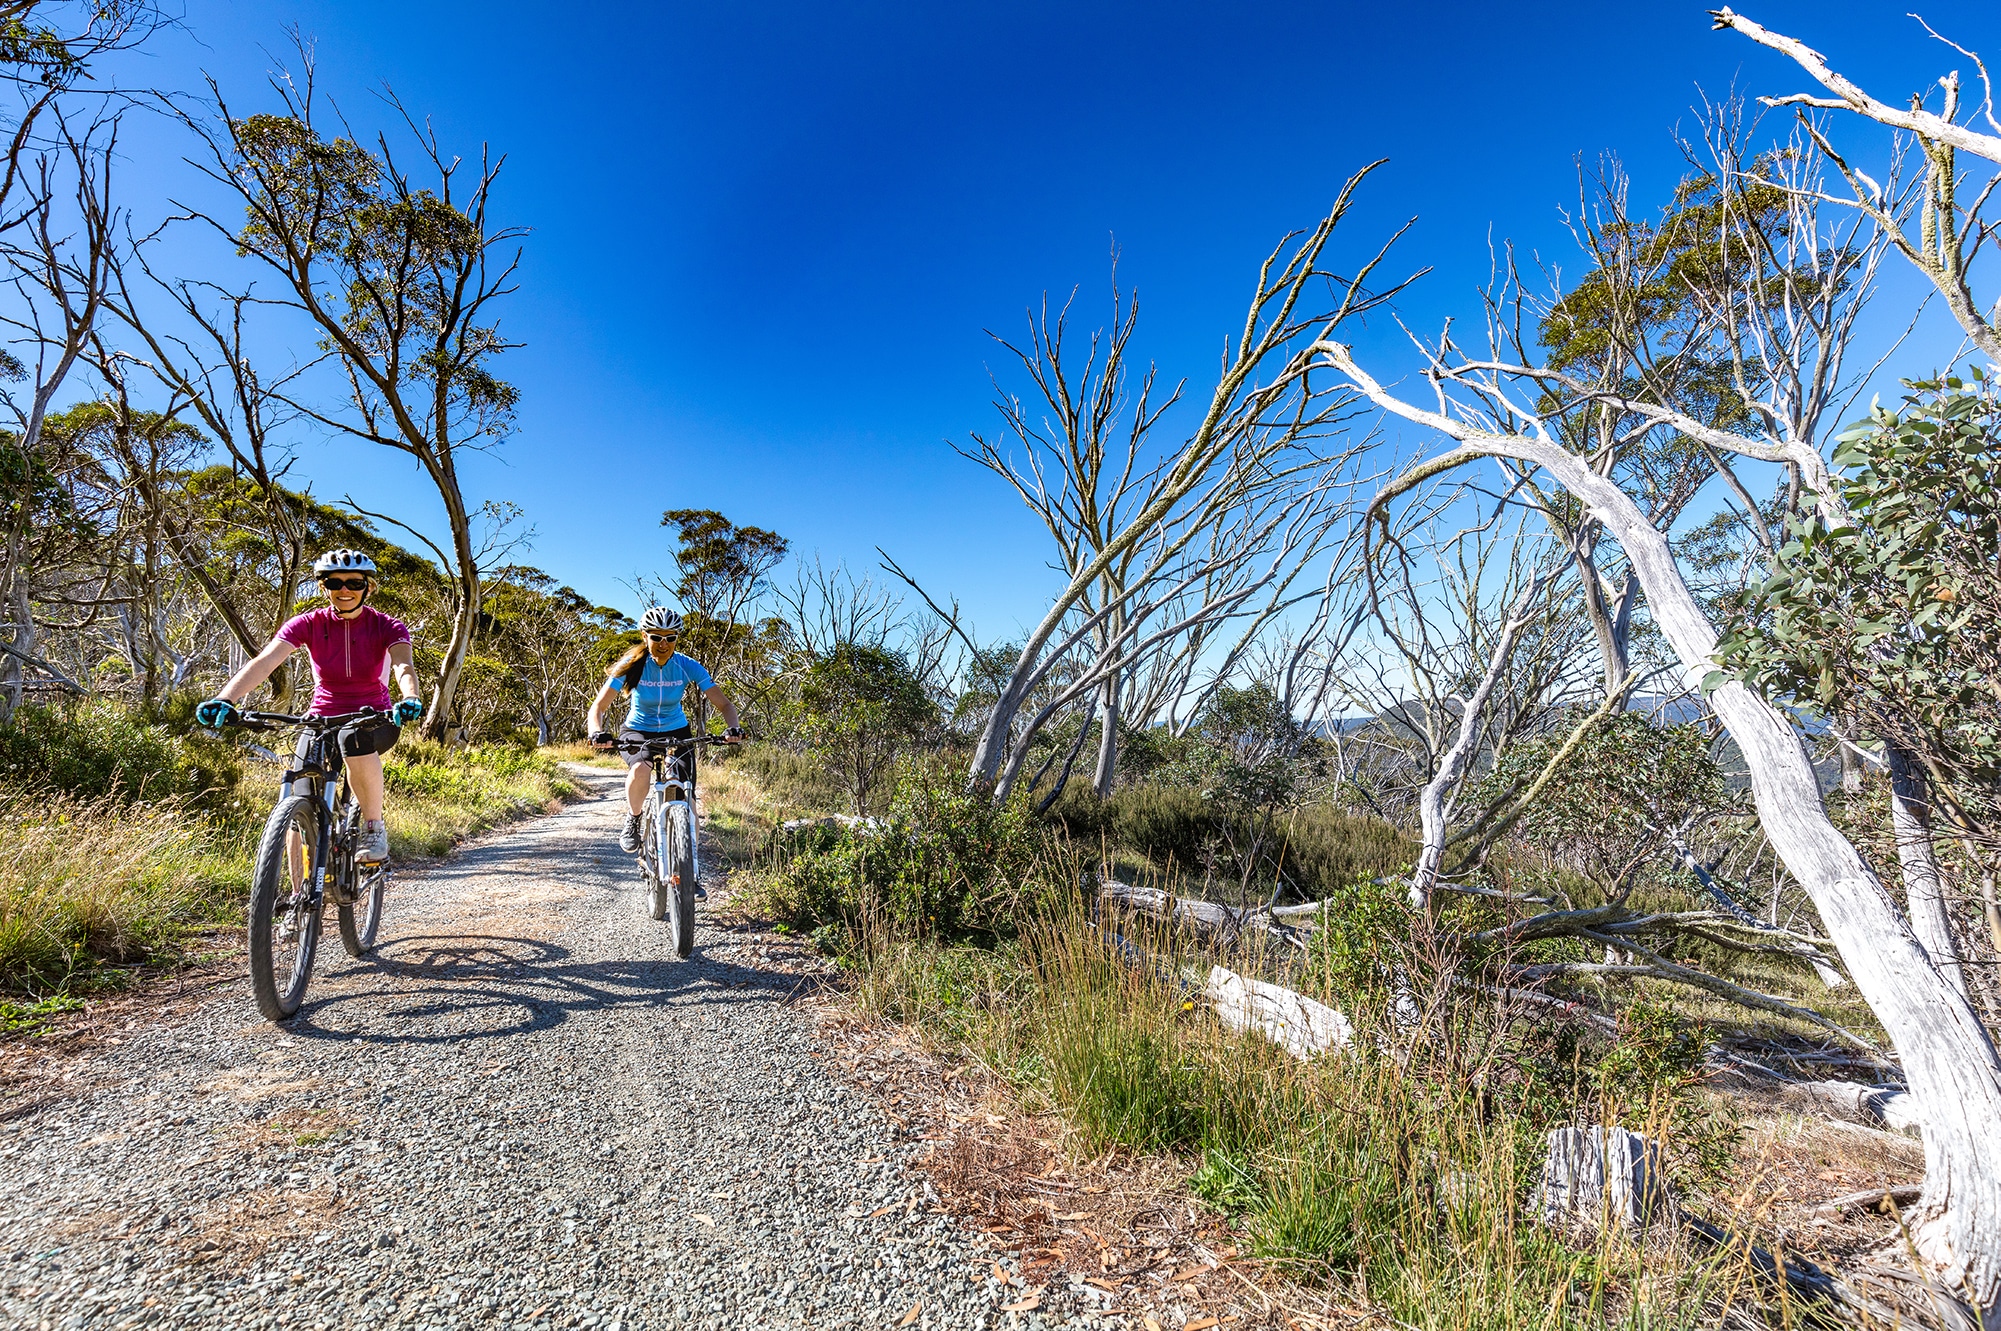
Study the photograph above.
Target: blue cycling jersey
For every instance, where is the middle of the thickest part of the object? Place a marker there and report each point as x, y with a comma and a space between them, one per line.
656, 702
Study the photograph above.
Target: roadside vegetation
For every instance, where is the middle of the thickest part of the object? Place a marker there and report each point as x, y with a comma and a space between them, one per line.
125, 842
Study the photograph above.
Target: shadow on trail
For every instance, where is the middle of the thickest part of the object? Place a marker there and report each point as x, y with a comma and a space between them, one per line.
514, 986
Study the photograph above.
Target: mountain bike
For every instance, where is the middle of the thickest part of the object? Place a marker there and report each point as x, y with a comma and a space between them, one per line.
305, 857
670, 849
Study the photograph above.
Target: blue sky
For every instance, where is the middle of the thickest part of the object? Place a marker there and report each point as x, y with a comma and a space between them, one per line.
766, 240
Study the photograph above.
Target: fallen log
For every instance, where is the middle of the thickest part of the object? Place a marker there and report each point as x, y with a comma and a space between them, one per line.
1904, 1194
1297, 1024
1218, 922
1890, 1108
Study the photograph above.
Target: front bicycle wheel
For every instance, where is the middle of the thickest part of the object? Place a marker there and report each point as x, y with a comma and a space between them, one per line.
360, 914
284, 908
678, 861
650, 861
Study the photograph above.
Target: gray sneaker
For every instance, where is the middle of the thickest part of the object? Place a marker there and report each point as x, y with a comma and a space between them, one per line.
372, 847
628, 840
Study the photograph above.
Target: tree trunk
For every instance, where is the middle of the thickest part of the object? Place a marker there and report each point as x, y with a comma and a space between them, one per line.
13, 670
1108, 739
1924, 887
437, 725
1951, 1064
1435, 800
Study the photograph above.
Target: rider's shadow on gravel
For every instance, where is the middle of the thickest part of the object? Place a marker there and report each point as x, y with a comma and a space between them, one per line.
446, 989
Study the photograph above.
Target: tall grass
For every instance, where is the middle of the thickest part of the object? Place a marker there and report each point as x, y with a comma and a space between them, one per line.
1396, 1173
121, 839
88, 886
437, 797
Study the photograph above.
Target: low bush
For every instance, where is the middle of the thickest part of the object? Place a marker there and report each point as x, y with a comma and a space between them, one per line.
94, 750
940, 864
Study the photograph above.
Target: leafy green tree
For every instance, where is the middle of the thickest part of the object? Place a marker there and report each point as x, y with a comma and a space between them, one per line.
402, 282
1890, 625
722, 572
860, 707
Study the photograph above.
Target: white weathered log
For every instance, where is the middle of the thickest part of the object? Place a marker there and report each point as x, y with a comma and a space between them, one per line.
1890, 1108
1600, 1177
1292, 1021
847, 820
1208, 918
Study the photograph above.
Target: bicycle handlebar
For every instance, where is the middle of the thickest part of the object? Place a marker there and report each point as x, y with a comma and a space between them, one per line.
272, 720
664, 745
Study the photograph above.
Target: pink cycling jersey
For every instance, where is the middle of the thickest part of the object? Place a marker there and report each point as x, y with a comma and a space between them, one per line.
350, 656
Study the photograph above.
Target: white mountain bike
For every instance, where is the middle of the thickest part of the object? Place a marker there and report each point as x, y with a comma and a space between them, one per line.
670, 847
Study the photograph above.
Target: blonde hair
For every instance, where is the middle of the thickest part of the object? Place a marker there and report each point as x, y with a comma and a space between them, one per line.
630, 659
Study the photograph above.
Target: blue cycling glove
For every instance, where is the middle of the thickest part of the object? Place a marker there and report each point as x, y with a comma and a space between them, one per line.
215, 713
410, 709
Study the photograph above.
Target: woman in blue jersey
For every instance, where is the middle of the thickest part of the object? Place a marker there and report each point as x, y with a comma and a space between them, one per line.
654, 676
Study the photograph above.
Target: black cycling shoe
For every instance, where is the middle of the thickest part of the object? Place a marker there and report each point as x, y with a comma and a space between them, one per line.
701, 893
628, 840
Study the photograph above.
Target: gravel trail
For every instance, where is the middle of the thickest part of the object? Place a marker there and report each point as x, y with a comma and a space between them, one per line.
522, 1111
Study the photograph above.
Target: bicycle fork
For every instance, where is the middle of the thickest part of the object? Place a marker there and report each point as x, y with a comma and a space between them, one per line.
694, 839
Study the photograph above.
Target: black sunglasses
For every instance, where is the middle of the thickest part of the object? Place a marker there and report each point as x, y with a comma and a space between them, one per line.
661, 637
345, 584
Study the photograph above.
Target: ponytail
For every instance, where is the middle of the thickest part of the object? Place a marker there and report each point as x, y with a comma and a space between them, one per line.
628, 661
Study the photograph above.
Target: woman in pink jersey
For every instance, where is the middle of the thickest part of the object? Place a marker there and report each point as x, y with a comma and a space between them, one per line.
354, 648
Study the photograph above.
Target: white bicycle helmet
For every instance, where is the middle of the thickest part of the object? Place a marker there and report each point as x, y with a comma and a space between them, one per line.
343, 561
660, 620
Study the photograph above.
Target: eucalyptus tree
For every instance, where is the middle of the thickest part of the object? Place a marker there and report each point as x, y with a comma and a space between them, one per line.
1132, 523
1517, 412
401, 278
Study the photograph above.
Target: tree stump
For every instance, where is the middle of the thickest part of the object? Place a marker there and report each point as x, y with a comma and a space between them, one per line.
1598, 1177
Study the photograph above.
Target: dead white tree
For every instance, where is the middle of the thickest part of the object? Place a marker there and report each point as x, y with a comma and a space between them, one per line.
56, 262
1951, 231
1140, 513
1952, 1066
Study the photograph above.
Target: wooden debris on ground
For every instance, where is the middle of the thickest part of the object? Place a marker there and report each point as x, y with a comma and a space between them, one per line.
1303, 1028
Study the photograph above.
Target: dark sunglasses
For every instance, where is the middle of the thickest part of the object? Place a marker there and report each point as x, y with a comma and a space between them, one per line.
345, 584
661, 637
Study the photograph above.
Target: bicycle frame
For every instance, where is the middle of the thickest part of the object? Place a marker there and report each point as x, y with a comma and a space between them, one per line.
664, 779
323, 768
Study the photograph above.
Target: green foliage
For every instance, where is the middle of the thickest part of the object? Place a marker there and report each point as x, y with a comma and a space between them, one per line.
1318, 848
1614, 797
1892, 623
97, 749
860, 706
940, 864
1353, 949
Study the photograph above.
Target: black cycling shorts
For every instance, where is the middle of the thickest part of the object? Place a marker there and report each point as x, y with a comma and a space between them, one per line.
634, 757
360, 738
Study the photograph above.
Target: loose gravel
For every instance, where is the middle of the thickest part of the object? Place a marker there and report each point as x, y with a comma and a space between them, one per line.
523, 1110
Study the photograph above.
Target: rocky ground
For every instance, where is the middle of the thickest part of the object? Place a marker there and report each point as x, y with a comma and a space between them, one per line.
522, 1110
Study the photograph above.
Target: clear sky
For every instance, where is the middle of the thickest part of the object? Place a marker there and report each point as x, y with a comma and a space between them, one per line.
767, 238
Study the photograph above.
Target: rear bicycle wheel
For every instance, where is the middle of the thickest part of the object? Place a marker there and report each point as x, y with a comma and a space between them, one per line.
361, 916
650, 862
284, 916
678, 861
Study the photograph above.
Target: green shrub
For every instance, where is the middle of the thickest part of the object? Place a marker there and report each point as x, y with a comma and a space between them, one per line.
940, 864
95, 749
